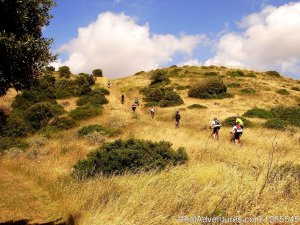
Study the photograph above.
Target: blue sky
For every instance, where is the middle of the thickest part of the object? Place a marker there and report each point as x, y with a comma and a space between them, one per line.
214, 19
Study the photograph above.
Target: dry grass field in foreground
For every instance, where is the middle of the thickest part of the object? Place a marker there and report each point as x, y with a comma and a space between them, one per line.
220, 179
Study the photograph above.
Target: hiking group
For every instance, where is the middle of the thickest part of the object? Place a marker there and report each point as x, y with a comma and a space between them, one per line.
236, 132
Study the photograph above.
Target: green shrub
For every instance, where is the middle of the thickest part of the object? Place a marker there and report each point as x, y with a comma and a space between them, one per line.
159, 77
259, 113
90, 78
211, 74
250, 75
276, 123
289, 114
234, 85
209, 88
153, 94
272, 73
97, 73
84, 131
8, 142
296, 88
3, 120
229, 121
235, 73
248, 91
140, 72
131, 156
50, 68
96, 100
102, 91
196, 106
171, 99
85, 111
17, 125
150, 104
63, 123
64, 71
39, 114
90, 129
282, 92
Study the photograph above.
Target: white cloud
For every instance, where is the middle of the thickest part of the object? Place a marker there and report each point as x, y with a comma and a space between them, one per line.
192, 62
270, 40
119, 46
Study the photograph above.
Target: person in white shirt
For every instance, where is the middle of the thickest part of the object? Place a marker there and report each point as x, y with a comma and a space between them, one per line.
237, 132
152, 111
216, 126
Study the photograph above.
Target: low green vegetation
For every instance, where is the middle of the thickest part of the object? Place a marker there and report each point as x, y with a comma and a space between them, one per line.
282, 92
86, 111
248, 91
159, 78
209, 88
230, 121
9, 142
295, 88
84, 131
63, 123
129, 156
234, 85
272, 73
196, 106
95, 99
288, 114
258, 113
276, 123
251, 74
211, 74
235, 73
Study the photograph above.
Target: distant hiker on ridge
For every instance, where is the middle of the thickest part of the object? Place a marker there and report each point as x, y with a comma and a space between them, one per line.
108, 84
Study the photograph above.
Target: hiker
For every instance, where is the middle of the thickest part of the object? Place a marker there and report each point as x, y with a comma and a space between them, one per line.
108, 84
152, 111
133, 107
122, 99
177, 119
136, 101
216, 126
238, 120
236, 132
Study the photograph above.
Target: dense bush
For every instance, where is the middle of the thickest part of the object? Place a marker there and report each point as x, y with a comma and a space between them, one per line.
235, 73
39, 114
234, 85
276, 123
159, 77
17, 125
64, 71
272, 73
164, 97
63, 123
97, 73
289, 114
229, 121
209, 88
248, 91
95, 99
85, 111
211, 74
50, 68
3, 120
296, 88
132, 156
282, 92
89, 78
259, 113
8, 142
102, 91
84, 131
171, 98
196, 106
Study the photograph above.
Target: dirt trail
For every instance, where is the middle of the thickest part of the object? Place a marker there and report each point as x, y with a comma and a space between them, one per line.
22, 198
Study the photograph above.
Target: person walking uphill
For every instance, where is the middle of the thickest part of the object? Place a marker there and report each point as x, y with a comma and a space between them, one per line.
216, 126
239, 120
237, 132
177, 119
133, 107
108, 84
152, 111
122, 99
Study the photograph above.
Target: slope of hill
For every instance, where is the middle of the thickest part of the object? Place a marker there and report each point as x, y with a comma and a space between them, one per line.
220, 179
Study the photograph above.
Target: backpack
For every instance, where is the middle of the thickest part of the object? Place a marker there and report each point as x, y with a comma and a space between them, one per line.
177, 116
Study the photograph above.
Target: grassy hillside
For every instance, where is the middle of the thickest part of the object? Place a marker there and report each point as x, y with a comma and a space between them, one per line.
220, 179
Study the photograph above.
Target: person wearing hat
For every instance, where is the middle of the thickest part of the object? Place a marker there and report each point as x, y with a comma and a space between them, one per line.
216, 126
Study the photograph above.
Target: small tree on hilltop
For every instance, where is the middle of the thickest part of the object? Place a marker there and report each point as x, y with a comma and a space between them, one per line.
97, 73
64, 71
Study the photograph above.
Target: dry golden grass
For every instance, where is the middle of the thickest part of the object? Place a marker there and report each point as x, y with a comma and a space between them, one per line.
219, 178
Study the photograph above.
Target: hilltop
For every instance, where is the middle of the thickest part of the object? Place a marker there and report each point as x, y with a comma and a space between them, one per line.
219, 178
